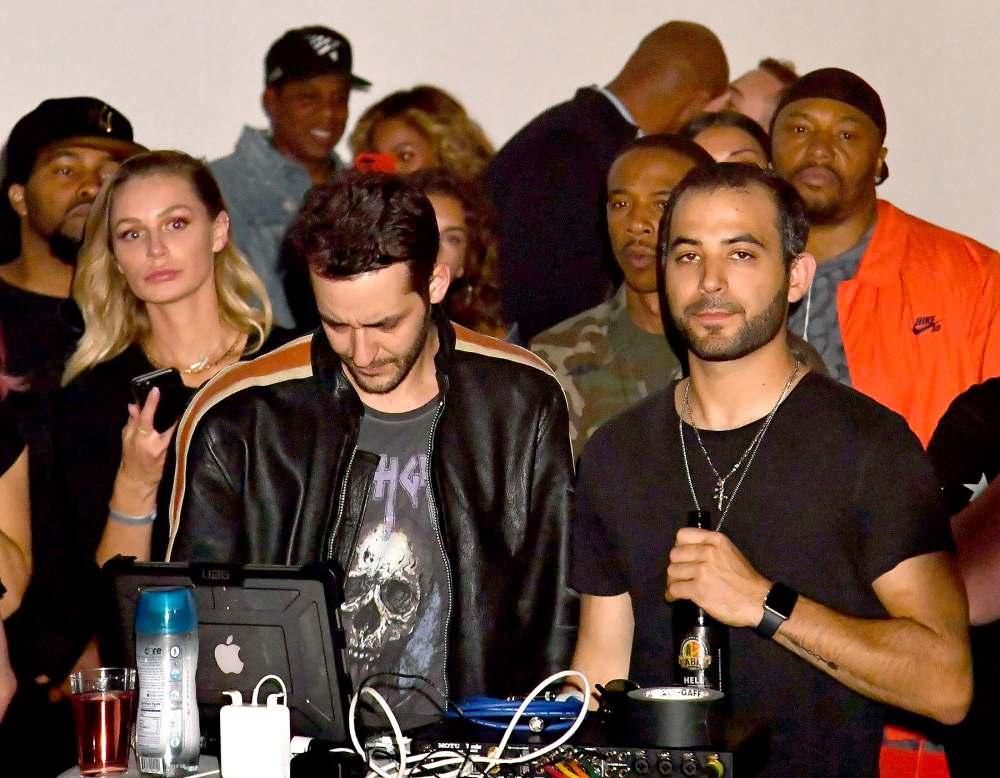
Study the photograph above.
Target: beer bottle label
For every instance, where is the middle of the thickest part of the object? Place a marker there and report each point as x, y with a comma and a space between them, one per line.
694, 654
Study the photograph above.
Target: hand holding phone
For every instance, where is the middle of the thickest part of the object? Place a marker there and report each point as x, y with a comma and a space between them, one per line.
172, 395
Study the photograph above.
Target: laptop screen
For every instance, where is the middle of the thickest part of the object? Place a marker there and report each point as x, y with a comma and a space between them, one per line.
252, 621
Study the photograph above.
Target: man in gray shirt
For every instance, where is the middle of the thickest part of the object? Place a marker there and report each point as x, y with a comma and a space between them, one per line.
307, 82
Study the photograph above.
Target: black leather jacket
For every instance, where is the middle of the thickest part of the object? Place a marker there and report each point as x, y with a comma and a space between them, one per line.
268, 472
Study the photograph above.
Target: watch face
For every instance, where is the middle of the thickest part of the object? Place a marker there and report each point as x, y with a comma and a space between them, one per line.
781, 600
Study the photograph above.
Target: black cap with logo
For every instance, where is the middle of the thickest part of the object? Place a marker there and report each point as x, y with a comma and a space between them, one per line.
81, 121
310, 51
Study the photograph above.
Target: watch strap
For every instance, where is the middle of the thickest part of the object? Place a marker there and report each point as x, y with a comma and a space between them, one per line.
778, 606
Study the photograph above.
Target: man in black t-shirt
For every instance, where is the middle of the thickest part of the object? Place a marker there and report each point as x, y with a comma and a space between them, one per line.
832, 544
55, 160
965, 451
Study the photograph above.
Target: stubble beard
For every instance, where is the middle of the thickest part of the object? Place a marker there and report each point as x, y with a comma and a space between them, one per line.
65, 248
404, 364
752, 335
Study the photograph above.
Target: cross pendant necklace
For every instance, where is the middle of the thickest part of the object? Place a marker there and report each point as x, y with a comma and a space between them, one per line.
719, 492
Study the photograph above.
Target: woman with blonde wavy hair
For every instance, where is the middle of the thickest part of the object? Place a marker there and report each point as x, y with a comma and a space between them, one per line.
424, 127
160, 285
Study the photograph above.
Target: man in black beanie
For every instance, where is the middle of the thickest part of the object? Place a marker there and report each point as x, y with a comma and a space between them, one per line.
902, 310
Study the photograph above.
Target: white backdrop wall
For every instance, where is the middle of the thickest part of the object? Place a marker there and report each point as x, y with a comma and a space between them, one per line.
188, 73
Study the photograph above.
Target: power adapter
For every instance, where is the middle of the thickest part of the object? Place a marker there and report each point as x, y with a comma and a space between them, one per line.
254, 739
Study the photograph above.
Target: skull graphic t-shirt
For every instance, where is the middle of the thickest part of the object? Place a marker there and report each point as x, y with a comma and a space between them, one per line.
396, 592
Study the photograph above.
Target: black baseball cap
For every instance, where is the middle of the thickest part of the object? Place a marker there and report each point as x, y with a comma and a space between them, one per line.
310, 51
78, 121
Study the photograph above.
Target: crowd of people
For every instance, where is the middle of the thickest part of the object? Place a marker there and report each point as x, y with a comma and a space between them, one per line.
491, 385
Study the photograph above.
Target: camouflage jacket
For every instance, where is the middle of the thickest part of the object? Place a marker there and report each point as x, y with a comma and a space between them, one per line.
605, 364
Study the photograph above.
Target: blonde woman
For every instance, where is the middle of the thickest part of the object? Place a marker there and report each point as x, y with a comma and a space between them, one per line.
424, 127
159, 284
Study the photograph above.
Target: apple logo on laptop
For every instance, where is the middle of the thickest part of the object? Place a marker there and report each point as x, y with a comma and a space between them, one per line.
227, 657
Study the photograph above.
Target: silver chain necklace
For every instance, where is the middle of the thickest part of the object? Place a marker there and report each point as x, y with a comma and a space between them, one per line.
719, 492
748, 455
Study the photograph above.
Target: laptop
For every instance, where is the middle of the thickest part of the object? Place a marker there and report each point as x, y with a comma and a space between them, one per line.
253, 621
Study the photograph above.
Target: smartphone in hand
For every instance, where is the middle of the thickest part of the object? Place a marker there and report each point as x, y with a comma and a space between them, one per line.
173, 395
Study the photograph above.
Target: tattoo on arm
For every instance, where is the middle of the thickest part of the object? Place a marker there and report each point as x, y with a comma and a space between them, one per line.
833, 666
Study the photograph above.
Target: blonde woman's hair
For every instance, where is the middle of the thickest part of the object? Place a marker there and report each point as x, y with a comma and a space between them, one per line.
114, 318
461, 145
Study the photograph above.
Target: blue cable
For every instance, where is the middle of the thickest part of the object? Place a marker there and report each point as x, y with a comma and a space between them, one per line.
495, 713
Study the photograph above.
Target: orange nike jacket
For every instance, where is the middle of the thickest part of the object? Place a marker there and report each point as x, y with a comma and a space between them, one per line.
921, 318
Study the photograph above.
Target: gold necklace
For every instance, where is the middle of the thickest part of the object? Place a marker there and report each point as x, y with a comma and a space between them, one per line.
199, 365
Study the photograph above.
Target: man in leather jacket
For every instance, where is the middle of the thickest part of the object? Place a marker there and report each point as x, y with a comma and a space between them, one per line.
430, 462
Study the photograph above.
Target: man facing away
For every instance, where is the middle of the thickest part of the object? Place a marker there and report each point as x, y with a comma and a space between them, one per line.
307, 83
904, 311
547, 182
430, 462
613, 355
829, 537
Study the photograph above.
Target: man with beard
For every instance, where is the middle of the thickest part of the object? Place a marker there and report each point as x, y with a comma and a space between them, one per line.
611, 356
430, 462
55, 161
827, 555
902, 310
308, 80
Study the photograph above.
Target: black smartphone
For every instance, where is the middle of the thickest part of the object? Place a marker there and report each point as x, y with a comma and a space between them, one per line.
173, 395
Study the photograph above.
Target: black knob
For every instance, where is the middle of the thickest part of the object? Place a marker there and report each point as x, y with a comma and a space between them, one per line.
665, 767
641, 765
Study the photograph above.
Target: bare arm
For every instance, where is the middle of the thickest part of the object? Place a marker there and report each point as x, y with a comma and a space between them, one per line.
917, 659
139, 472
8, 681
976, 530
604, 643
15, 534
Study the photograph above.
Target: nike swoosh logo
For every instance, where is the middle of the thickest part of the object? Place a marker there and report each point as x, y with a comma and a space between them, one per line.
922, 327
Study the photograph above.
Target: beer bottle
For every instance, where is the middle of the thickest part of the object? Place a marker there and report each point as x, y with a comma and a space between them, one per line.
701, 644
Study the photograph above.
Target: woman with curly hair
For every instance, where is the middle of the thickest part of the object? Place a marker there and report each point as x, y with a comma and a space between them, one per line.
424, 127
467, 245
159, 284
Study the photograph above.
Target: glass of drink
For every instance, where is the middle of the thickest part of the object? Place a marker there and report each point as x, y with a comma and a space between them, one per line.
103, 708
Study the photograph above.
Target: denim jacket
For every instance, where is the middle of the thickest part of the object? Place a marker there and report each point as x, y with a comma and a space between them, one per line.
263, 190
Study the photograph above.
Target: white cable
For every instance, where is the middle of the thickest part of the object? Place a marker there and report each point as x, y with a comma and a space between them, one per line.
491, 762
261, 682
394, 723
805, 329
520, 711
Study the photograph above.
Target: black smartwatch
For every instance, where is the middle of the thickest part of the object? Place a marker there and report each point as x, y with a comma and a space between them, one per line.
778, 606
